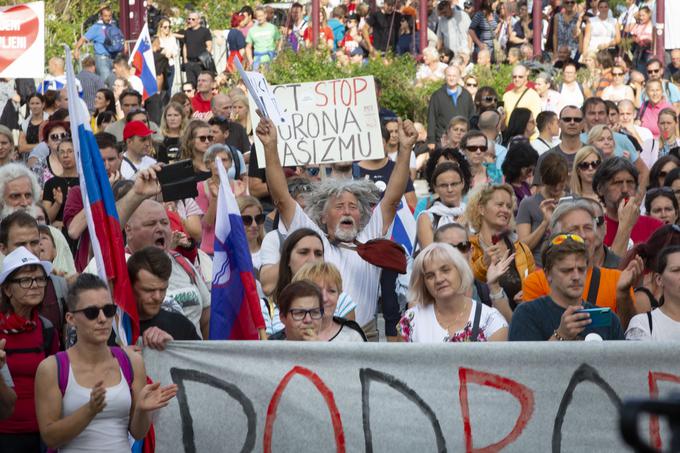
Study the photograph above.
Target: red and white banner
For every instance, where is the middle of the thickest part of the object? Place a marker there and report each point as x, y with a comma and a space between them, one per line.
22, 41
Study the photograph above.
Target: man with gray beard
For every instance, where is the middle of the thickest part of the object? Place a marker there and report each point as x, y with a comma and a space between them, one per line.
342, 212
19, 190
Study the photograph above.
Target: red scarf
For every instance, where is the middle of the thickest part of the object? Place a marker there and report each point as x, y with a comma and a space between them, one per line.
11, 323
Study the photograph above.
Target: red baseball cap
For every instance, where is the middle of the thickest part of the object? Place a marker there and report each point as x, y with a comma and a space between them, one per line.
136, 128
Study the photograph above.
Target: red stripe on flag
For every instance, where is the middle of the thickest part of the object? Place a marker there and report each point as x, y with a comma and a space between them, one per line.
249, 317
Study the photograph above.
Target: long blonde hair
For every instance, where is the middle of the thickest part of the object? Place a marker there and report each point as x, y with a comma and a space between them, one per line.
179, 109
481, 197
243, 99
245, 202
581, 155
187, 141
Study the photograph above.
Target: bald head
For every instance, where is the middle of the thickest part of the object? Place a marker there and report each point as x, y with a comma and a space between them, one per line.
489, 121
220, 104
148, 226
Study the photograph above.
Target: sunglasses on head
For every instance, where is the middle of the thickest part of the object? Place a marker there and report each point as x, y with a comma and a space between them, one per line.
249, 219
586, 165
560, 238
92, 312
205, 138
61, 136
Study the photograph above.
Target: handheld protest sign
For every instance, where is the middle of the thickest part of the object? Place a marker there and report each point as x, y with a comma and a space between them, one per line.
327, 121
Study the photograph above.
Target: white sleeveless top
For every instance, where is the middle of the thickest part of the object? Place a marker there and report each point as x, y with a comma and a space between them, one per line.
108, 431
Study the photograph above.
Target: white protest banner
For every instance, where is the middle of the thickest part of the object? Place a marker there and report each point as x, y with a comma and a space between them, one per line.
22, 41
329, 121
291, 396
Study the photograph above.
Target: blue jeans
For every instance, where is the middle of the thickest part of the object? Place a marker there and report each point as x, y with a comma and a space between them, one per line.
104, 66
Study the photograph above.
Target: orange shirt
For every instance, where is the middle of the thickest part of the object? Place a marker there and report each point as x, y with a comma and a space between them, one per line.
536, 285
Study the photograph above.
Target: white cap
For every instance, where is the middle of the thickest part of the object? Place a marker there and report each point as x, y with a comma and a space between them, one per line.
21, 257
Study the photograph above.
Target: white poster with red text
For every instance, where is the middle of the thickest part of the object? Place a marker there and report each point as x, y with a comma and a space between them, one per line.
22, 41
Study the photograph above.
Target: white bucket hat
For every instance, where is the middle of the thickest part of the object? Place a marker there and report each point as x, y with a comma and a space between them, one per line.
21, 257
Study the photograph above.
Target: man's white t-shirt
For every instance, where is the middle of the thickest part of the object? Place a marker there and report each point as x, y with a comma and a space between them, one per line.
129, 168
360, 279
411, 162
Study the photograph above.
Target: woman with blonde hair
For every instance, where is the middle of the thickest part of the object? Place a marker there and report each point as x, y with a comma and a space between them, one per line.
327, 277
196, 140
442, 311
602, 138
586, 161
253, 221
173, 123
241, 111
169, 48
490, 213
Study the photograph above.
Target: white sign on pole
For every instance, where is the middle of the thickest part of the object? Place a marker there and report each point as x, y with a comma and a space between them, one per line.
324, 122
22, 41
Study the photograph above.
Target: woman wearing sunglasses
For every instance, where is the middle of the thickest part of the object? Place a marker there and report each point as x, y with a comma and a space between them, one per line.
29, 337
253, 221
450, 182
195, 142
442, 311
43, 159
90, 397
586, 161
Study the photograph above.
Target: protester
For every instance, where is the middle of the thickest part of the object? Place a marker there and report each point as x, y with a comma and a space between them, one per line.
100, 35
197, 40
518, 168
448, 101
557, 317
661, 204
301, 307
333, 327
443, 311
586, 162
30, 126
85, 408
28, 339
253, 221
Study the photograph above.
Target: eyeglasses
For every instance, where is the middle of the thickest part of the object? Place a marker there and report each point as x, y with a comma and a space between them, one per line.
249, 219
476, 148
560, 238
572, 119
92, 312
205, 138
471, 85
27, 282
653, 71
299, 314
463, 247
586, 165
448, 186
489, 99
62, 136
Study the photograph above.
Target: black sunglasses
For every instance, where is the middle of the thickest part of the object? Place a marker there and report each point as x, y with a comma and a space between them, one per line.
489, 99
586, 165
478, 148
205, 138
61, 136
92, 312
572, 119
463, 247
248, 219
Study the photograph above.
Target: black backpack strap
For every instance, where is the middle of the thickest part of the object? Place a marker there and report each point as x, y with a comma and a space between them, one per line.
351, 325
483, 293
649, 319
435, 221
475, 323
237, 162
134, 167
594, 286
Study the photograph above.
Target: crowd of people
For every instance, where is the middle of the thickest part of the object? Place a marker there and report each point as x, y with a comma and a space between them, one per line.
550, 211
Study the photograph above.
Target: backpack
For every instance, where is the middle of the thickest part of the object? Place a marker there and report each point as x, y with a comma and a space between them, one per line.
236, 161
120, 355
114, 41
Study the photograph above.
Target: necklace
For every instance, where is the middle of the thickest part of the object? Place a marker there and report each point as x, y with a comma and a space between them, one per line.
447, 326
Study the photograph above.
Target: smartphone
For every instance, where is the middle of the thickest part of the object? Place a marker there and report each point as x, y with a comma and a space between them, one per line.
178, 181
600, 317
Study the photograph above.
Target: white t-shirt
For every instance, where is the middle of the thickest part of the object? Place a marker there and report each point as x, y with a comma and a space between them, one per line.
571, 94
663, 327
650, 147
412, 160
127, 170
419, 325
360, 279
270, 249
136, 84
541, 145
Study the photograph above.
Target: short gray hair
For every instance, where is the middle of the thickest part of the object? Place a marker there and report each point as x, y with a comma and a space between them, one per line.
10, 172
213, 150
565, 207
418, 292
365, 191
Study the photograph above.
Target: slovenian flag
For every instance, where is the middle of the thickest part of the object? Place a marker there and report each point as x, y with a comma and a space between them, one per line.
404, 227
100, 210
235, 312
141, 59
